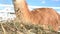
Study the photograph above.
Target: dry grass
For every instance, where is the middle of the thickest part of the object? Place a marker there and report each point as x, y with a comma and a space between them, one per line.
20, 28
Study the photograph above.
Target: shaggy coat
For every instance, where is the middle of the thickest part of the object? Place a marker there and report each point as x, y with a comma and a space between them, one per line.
40, 16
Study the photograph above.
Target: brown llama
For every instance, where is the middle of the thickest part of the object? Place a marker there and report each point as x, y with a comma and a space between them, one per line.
40, 16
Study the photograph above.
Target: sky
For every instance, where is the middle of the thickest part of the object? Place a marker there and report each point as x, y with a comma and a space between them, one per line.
54, 3
33, 4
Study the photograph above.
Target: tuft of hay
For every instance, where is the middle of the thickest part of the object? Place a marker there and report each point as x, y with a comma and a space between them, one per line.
20, 28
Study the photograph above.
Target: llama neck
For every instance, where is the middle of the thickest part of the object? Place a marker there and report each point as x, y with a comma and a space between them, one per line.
21, 5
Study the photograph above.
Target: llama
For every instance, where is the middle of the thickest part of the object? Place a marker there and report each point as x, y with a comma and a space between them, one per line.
40, 16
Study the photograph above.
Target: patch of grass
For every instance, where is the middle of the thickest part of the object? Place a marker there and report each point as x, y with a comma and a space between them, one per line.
20, 28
